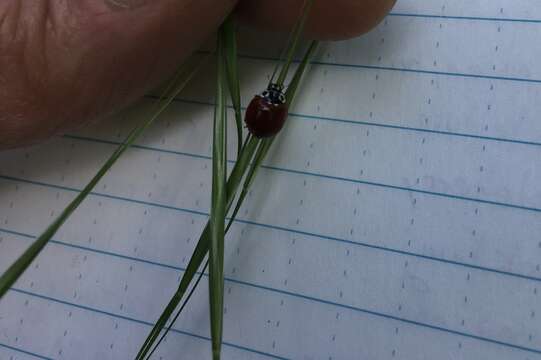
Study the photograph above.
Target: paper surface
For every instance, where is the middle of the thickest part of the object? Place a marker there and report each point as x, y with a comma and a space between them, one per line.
398, 217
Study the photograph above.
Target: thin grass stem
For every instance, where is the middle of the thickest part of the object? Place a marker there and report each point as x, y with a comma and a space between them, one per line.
252, 154
296, 39
10, 276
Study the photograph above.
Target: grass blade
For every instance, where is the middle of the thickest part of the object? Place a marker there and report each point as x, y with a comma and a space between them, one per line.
259, 156
11, 275
242, 166
229, 37
250, 145
292, 48
198, 255
293, 85
184, 303
265, 145
201, 248
218, 207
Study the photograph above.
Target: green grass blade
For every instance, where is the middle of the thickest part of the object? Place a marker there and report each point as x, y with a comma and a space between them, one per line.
251, 146
229, 37
283, 53
266, 144
293, 85
201, 248
292, 48
184, 303
218, 207
11, 275
260, 155
198, 255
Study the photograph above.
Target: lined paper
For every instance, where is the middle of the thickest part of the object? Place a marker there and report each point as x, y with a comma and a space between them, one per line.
398, 215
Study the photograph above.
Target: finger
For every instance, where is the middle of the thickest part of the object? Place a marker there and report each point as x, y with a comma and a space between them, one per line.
329, 20
78, 60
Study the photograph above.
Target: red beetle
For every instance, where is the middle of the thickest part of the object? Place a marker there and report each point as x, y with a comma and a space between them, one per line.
267, 113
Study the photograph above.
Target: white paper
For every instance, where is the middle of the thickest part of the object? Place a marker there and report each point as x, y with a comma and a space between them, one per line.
398, 216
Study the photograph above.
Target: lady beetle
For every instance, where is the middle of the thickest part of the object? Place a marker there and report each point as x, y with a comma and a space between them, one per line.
267, 112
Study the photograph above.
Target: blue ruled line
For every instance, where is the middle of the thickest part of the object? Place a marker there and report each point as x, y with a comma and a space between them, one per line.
362, 123
470, 18
138, 321
405, 70
285, 229
279, 291
392, 68
323, 176
26, 352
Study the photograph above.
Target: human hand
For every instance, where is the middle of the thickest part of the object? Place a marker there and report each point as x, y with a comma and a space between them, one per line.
67, 62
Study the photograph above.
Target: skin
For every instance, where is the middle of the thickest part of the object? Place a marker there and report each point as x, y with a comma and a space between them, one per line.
64, 63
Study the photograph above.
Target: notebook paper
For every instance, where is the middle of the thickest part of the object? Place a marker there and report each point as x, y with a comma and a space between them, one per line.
397, 217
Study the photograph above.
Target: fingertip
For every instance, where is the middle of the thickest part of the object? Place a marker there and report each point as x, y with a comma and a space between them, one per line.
336, 20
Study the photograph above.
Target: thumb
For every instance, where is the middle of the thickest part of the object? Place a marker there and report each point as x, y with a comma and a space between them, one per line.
76, 61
